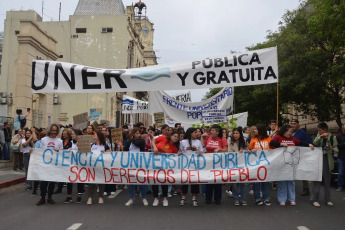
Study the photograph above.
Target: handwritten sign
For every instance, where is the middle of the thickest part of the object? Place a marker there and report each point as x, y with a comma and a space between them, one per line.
84, 143
159, 118
95, 114
116, 135
80, 121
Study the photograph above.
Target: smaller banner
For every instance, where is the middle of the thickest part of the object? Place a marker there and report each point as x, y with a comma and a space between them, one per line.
133, 105
291, 163
80, 121
95, 114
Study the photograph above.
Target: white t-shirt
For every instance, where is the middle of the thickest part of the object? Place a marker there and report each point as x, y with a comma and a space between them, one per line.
74, 146
98, 148
51, 143
186, 149
27, 148
134, 148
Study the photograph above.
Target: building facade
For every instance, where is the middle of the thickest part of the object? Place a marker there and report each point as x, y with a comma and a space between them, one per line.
99, 34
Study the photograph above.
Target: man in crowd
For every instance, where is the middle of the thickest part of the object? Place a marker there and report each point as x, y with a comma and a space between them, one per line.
274, 129
8, 137
341, 158
49, 142
301, 135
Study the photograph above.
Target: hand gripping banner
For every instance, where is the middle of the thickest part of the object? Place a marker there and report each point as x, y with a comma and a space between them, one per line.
249, 68
292, 163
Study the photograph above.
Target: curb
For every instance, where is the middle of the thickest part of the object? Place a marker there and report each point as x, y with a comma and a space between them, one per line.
9, 183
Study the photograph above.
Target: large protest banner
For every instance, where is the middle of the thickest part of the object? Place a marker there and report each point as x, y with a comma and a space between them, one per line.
238, 69
189, 113
292, 163
133, 105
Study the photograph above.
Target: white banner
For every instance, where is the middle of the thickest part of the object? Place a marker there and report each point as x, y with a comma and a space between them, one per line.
133, 105
189, 113
250, 68
292, 163
184, 97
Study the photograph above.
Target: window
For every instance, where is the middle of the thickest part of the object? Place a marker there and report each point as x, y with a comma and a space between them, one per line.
74, 36
80, 30
107, 30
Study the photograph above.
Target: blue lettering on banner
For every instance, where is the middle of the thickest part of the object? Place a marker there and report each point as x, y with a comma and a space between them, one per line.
44, 154
64, 157
113, 158
99, 159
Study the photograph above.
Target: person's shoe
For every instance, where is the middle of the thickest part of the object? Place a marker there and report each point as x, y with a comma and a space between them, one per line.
228, 191
251, 192
339, 189
112, 193
293, 203
34, 193
155, 203
281, 204
217, 202
236, 203
130, 202
165, 203
208, 202
244, 203
330, 204
68, 200
78, 200
89, 201
305, 193
29, 188
316, 204
105, 194
50, 201
195, 203
57, 191
41, 201
21, 170
182, 202
100, 200
145, 203
267, 202
175, 193
169, 195
259, 202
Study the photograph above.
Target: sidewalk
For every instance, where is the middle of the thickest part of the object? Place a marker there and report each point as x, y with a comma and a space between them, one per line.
8, 176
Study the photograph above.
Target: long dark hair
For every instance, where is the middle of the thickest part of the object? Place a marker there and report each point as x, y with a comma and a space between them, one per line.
241, 141
30, 143
262, 131
101, 138
177, 144
188, 135
218, 129
283, 129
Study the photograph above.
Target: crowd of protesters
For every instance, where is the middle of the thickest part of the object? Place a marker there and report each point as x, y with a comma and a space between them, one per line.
177, 140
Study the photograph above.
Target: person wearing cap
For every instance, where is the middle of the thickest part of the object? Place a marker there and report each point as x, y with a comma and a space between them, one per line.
301, 135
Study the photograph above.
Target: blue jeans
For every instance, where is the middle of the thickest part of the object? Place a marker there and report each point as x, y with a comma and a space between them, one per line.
265, 188
341, 164
235, 189
286, 191
5, 153
160, 189
132, 189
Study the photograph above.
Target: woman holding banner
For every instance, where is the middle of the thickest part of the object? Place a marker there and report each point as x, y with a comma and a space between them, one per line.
164, 144
99, 145
190, 145
286, 189
136, 144
238, 144
215, 143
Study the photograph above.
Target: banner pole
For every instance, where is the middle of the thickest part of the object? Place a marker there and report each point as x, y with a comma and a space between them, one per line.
277, 104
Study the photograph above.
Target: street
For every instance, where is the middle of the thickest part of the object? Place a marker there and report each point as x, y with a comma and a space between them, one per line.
19, 211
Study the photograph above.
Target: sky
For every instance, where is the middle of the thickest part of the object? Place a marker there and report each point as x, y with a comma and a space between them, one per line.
187, 30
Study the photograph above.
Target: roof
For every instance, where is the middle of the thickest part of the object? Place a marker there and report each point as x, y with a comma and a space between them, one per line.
99, 7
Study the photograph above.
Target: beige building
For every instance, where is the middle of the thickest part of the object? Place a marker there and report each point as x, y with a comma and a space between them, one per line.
99, 34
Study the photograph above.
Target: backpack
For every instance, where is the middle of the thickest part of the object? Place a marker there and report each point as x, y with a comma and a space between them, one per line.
22, 121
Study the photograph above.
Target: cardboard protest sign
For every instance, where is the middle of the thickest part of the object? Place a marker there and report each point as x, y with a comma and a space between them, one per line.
116, 135
95, 114
159, 119
84, 143
80, 121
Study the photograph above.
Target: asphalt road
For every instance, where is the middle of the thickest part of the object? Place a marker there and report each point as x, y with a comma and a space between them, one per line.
18, 211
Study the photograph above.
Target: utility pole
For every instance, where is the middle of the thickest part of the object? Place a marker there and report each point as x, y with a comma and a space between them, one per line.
60, 11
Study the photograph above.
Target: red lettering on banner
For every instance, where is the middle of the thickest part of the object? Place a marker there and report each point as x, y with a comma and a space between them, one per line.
164, 173
216, 173
123, 173
113, 175
171, 177
93, 176
199, 181
184, 172
130, 176
232, 174
76, 174
192, 175
137, 176
265, 169
105, 175
151, 176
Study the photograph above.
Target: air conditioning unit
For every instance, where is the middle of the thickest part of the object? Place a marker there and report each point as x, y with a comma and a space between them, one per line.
56, 95
3, 100
55, 101
3, 94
